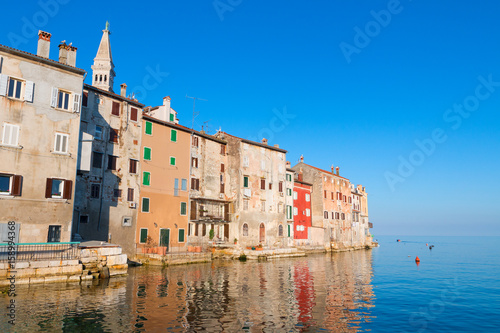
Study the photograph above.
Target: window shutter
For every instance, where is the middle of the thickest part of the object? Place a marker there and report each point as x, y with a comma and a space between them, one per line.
16, 185
130, 194
76, 102
115, 110
68, 186
197, 184
28, 91
3, 84
53, 101
222, 168
48, 188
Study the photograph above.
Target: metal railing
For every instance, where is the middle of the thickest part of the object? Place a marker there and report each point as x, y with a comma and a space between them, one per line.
39, 251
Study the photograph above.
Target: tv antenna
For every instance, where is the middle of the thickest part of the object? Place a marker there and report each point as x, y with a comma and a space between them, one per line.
205, 126
195, 114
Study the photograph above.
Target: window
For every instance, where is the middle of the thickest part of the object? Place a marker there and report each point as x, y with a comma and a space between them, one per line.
58, 188
221, 188
245, 204
262, 184
289, 212
15, 87
85, 98
115, 109
117, 193
245, 181
308, 212
173, 135
97, 160
183, 208
146, 178
133, 166
308, 197
194, 162
145, 205
127, 221
289, 191
245, 229
130, 194
61, 143
10, 184
94, 191
54, 235
144, 236
222, 167
295, 211
280, 187
133, 114
195, 141
147, 153
289, 230
223, 149
295, 195
84, 219
113, 135
184, 184
270, 186
172, 117
181, 234
337, 215
332, 196
343, 216
325, 194
63, 100
280, 230
172, 161
325, 214
288, 177
263, 206
98, 133
195, 184
10, 136
112, 162
149, 128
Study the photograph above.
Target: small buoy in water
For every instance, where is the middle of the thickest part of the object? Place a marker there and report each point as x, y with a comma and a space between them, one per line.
417, 259
399, 240
426, 244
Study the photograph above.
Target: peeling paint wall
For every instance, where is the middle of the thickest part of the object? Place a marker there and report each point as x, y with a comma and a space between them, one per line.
34, 157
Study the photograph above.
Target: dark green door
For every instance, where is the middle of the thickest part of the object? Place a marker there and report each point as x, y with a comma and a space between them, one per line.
165, 238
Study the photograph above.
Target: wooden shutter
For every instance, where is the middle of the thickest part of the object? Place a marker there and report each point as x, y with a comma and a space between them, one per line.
130, 194
270, 186
3, 84
48, 188
222, 167
325, 194
221, 188
28, 91
113, 135
133, 114
68, 186
115, 110
53, 100
16, 185
226, 213
193, 210
76, 102
197, 184
280, 186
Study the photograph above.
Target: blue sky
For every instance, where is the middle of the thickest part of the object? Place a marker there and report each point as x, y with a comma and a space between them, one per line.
254, 61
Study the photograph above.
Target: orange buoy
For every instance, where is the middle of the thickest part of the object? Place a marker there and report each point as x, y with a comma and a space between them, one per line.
417, 259
426, 244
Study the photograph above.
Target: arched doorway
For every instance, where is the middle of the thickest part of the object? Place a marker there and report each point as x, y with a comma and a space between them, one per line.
262, 233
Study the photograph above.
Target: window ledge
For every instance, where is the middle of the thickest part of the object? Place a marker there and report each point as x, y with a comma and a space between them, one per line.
57, 200
61, 154
6, 196
10, 146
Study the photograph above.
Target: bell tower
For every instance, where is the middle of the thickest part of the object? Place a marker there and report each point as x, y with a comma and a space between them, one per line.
103, 69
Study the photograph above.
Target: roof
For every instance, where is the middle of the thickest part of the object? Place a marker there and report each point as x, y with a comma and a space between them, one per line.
104, 50
302, 182
263, 145
43, 60
113, 95
166, 123
324, 171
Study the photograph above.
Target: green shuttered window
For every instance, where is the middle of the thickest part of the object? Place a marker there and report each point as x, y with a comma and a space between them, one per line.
181, 235
173, 135
172, 160
149, 128
146, 178
183, 208
144, 236
147, 153
145, 205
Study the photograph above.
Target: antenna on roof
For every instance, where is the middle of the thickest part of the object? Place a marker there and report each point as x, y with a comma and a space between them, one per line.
195, 114
205, 126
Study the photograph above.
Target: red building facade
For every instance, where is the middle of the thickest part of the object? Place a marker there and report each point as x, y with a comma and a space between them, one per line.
301, 209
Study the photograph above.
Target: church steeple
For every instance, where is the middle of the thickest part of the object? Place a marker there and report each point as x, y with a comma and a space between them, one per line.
103, 73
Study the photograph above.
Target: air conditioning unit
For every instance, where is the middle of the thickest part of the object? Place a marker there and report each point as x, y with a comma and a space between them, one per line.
132, 205
282, 194
221, 195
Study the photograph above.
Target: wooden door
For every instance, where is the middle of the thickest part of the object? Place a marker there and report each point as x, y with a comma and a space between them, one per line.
262, 233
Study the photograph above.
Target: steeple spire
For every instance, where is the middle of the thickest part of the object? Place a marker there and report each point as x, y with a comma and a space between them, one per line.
103, 73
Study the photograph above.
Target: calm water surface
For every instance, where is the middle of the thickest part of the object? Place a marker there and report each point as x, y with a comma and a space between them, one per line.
456, 288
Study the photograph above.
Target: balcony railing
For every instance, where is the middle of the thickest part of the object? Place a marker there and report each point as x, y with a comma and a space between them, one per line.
39, 251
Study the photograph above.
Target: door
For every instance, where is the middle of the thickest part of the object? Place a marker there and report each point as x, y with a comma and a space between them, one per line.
165, 238
262, 233
226, 232
54, 235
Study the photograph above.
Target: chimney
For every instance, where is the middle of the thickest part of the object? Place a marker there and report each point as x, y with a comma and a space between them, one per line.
337, 170
264, 141
301, 176
43, 49
63, 53
333, 169
276, 146
288, 164
71, 55
123, 90
301, 158
166, 102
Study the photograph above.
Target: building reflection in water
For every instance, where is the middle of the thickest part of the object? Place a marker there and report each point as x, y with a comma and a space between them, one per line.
332, 292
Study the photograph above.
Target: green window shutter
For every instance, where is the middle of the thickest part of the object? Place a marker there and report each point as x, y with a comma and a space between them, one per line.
149, 128
145, 205
181, 235
289, 231
183, 208
171, 117
245, 181
144, 236
172, 160
173, 135
146, 178
147, 154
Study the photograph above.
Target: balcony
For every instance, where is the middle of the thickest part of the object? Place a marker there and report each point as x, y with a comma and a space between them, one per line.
210, 210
